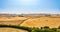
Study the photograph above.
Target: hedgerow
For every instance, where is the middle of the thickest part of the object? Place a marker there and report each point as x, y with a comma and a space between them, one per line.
34, 29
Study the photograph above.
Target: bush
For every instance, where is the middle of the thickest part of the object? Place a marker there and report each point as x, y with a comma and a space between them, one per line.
59, 27
46, 27
55, 29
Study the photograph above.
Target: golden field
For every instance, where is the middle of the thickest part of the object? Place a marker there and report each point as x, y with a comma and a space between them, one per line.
11, 21
33, 21
42, 21
12, 18
51, 21
11, 30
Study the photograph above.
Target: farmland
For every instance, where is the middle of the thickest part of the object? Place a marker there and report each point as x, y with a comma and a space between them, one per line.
11, 30
30, 20
42, 21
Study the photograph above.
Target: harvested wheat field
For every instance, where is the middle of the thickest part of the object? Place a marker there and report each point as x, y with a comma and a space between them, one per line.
31, 22
11, 30
42, 21
12, 20
51, 21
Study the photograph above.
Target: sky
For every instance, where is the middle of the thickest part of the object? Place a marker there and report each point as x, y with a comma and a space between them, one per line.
30, 6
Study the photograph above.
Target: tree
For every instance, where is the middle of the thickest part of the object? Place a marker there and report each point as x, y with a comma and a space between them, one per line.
55, 29
46, 27
59, 27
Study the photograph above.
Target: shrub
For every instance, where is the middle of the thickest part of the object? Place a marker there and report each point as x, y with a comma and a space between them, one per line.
34, 29
55, 29
59, 27
46, 27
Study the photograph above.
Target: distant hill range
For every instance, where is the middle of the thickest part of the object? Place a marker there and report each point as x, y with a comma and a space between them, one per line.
28, 15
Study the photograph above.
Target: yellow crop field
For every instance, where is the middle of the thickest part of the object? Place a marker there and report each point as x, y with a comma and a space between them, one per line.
11, 30
42, 21
12, 18
32, 22
29, 22
11, 21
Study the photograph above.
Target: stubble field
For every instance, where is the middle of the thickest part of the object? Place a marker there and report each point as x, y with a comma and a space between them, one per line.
50, 21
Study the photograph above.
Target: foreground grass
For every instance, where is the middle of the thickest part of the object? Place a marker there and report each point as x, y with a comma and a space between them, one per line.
34, 29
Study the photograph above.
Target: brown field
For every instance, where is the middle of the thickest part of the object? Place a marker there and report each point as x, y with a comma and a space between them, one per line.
31, 21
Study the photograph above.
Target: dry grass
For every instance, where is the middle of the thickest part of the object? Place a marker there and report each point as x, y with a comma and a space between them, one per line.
42, 21
11, 30
12, 18
32, 22
11, 21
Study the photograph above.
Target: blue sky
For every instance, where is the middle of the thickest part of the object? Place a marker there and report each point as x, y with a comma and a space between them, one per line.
30, 6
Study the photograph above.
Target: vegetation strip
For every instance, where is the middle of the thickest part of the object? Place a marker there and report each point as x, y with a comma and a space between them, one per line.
34, 29
13, 26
